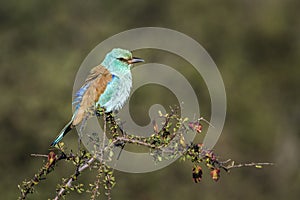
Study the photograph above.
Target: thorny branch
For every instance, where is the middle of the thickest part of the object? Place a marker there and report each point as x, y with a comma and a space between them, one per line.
163, 144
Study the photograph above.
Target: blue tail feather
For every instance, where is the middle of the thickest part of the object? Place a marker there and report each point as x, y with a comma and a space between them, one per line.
62, 133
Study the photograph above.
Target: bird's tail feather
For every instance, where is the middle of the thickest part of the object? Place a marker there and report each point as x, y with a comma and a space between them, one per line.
62, 133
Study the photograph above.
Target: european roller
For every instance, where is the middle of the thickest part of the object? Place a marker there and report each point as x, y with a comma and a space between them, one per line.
107, 86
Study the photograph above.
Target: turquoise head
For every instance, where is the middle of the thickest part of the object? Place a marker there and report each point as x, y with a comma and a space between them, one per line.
119, 61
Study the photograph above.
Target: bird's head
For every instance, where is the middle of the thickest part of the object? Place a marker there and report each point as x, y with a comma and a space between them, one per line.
120, 60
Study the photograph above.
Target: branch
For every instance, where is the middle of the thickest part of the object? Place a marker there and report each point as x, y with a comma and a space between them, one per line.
78, 171
168, 142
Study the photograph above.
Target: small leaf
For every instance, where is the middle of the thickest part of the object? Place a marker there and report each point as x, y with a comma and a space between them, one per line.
159, 158
185, 119
111, 153
159, 113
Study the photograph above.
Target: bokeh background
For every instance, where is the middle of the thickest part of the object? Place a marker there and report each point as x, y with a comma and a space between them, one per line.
255, 44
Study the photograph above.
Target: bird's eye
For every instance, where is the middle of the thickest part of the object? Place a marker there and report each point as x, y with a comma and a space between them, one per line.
122, 59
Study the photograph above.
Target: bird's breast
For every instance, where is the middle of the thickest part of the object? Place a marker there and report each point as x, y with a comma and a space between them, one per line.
116, 92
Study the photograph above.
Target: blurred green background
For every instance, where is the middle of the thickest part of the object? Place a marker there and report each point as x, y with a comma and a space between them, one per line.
255, 44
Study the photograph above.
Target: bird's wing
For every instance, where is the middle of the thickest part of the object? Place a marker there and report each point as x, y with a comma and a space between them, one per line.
95, 72
89, 93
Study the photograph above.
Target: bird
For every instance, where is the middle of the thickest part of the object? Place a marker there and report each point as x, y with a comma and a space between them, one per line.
107, 86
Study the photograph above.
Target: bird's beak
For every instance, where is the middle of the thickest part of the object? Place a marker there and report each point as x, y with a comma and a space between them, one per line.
135, 60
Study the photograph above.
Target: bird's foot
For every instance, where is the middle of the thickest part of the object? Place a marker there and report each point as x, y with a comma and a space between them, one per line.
99, 111
109, 116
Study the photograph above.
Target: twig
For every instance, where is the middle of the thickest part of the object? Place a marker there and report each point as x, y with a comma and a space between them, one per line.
96, 188
38, 155
28, 186
253, 164
136, 141
74, 177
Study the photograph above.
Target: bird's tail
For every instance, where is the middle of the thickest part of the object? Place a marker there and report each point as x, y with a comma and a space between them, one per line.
62, 133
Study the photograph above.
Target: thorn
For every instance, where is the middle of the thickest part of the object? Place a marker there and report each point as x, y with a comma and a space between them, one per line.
203, 119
